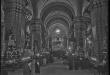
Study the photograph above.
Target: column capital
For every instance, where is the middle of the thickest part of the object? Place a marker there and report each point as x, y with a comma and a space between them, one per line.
81, 19
36, 21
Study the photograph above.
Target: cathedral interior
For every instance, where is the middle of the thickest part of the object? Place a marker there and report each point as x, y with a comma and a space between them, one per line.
35, 33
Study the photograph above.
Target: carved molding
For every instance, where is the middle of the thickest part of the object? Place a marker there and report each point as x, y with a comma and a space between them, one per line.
14, 6
28, 11
81, 19
81, 24
36, 25
94, 4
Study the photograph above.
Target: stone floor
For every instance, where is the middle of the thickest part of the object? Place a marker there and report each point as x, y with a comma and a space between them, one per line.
57, 69
60, 69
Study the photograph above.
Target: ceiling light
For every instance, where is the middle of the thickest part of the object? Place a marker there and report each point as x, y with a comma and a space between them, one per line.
57, 31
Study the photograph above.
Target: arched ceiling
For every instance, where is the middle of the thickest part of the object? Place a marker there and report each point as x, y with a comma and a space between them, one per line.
42, 4
71, 8
77, 6
56, 6
57, 15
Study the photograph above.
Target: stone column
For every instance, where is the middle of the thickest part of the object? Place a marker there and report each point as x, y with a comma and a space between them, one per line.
2, 31
3, 39
15, 20
36, 38
99, 20
43, 35
80, 25
35, 22
36, 31
50, 43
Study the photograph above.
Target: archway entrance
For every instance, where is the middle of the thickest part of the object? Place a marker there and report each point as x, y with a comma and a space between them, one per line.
57, 39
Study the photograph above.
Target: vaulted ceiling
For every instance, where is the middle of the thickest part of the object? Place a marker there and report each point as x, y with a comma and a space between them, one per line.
67, 8
60, 11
